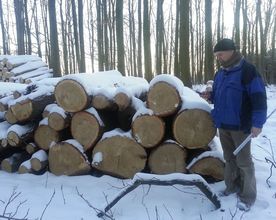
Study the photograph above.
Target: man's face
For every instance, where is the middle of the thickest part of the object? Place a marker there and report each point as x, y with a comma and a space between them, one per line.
224, 56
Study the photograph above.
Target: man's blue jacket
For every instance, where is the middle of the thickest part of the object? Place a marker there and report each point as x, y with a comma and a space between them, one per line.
239, 98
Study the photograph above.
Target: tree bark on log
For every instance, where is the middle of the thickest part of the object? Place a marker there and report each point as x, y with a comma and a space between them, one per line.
167, 158
71, 96
65, 158
163, 99
148, 130
119, 156
12, 163
87, 127
193, 128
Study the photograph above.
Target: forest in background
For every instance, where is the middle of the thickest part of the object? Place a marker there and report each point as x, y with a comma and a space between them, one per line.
139, 37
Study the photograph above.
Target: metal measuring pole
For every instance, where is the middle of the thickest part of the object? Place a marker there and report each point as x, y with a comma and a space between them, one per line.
241, 146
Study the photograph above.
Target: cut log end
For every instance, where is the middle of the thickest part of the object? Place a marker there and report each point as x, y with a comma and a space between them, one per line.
22, 110
163, 99
71, 96
44, 136
209, 166
38, 165
65, 159
57, 122
121, 156
168, 158
13, 139
148, 130
194, 128
122, 100
86, 129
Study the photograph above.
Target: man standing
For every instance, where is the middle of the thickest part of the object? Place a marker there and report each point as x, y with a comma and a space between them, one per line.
240, 108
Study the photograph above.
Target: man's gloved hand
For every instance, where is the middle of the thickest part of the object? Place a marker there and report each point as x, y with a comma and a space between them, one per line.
255, 131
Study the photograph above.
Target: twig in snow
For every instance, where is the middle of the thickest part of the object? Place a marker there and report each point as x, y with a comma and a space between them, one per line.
61, 188
98, 211
271, 167
156, 213
168, 211
47, 205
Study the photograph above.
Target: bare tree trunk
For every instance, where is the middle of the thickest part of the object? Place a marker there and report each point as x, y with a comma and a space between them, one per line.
100, 35
209, 57
159, 37
139, 55
245, 22
28, 31
76, 34
273, 54
4, 38
184, 43
37, 31
120, 36
105, 38
82, 53
64, 40
237, 22
90, 4
20, 25
55, 62
147, 48
176, 41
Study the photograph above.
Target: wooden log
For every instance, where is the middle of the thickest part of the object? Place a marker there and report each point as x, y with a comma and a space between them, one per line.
12, 163
208, 164
31, 148
163, 97
38, 78
87, 127
19, 134
169, 157
39, 160
119, 155
102, 102
72, 96
4, 126
122, 100
4, 102
44, 135
27, 67
28, 109
9, 116
34, 73
68, 158
25, 167
15, 61
193, 128
58, 119
47, 110
148, 130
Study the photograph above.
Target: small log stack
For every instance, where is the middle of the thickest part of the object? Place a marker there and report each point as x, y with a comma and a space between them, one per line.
23, 69
118, 125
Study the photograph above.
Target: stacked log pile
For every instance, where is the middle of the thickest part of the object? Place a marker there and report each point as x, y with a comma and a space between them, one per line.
23, 69
118, 125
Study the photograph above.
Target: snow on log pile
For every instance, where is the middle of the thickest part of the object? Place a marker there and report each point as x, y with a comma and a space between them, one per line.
23, 69
108, 122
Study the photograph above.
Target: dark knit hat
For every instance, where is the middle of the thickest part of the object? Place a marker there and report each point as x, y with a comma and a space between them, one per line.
224, 45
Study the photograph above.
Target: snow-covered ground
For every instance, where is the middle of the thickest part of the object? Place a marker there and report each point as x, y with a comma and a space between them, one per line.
50, 197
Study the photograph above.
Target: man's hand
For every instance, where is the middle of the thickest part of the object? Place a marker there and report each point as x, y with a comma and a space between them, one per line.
255, 131
206, 95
